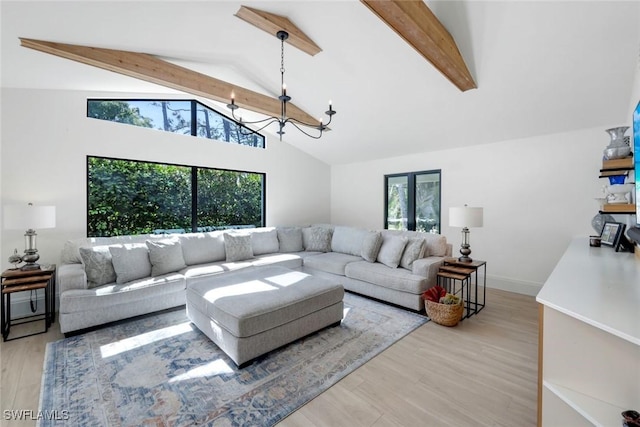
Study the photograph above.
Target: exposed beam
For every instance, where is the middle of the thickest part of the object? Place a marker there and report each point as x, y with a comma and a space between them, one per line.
151, 69
418, 26
272, 23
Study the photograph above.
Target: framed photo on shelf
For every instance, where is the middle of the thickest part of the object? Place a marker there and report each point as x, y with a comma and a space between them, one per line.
611, 233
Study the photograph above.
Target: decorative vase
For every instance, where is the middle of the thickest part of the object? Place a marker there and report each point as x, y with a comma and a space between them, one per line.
619, 146
618, 193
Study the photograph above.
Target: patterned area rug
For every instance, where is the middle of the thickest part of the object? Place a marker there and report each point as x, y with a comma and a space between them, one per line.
162, 371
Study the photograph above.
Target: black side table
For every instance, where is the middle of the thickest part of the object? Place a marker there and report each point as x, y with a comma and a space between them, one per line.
30, 280
470, 269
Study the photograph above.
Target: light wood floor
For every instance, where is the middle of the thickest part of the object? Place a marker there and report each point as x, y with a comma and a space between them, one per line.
482, 372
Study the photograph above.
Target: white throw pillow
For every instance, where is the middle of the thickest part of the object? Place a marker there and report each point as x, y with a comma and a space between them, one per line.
165, 256
237, 247
264, 241
316, 239
290, 239
413, 251
371, 246
130, 261
391, 250
97, 265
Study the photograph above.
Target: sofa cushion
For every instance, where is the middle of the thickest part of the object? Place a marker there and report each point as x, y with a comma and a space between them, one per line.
290, 239
317, 239
264, 241
330, 262
348, 240
114, 295
201, 248
436, 244
371, 246
130, 261
71, 249
97, 265
413, 251
392, 278
165, 256
238, 247
391, 250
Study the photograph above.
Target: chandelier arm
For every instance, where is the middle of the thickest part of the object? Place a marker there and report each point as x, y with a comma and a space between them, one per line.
239, 119
303, 131
272, 121
315, 126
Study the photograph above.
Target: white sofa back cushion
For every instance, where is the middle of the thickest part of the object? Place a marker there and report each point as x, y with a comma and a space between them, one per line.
202, 248
348, 240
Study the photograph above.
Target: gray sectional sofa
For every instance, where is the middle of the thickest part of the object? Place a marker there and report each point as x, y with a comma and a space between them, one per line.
101, 280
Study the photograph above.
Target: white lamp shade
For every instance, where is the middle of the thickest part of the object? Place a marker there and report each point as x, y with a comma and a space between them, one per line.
23, 217
465, 217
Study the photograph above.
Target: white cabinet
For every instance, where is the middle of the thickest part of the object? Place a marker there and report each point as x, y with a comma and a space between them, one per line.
590, 338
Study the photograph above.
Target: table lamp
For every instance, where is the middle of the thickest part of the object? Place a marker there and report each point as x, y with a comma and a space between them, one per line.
29, 217
465, 217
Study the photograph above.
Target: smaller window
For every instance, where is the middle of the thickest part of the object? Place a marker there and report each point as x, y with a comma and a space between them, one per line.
412, 201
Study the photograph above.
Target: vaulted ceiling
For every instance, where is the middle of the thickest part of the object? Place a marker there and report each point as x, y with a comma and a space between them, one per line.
539, 67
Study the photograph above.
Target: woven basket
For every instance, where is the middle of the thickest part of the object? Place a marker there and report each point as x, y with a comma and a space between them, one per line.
444, 314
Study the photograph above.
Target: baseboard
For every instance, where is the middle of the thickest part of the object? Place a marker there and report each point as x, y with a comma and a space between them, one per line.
21, 307
513, 285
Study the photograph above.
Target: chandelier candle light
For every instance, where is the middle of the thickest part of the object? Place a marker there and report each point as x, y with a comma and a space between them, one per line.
282, 120
465, 217
29, 217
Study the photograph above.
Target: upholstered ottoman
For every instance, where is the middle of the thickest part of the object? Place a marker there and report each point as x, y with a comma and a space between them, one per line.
253, 311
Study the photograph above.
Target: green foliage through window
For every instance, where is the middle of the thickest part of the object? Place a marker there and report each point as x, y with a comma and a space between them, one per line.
185, 117
134, 197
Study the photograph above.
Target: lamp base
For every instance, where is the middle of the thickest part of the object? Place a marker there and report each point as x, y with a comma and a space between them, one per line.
30, 266
30, 257
465, 251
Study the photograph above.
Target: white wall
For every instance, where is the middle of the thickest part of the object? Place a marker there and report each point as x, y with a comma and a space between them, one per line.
537, 194
46, 138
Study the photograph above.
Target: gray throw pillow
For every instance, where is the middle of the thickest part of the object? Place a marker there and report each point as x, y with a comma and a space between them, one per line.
264, 241
371, 246
97, 265
413, 251
237, 247
165, 256
316, 239
290, 239
130, 261
391, 250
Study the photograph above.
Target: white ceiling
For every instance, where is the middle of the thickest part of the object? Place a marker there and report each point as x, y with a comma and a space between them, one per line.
541, 67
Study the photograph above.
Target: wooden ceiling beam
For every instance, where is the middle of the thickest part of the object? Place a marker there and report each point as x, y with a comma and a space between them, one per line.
152, 69
272, 23
417, 25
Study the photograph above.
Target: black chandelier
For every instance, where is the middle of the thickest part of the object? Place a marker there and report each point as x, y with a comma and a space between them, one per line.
282, 120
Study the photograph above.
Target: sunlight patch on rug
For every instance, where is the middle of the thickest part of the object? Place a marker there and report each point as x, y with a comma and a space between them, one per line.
161, 370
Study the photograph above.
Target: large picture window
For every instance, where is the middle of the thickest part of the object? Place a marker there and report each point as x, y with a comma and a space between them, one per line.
412, 201
185, 117
135, 197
